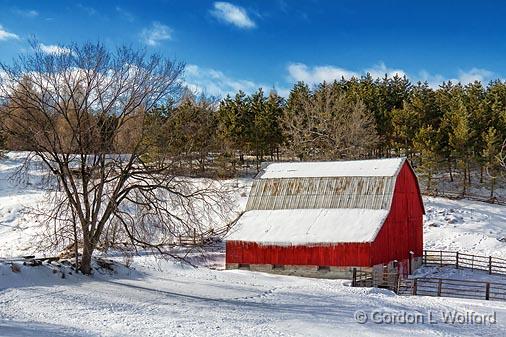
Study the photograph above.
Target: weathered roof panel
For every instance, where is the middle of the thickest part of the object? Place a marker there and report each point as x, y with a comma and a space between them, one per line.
325, 192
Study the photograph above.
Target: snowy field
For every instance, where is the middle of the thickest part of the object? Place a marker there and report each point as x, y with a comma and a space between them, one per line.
163, 298
171, 300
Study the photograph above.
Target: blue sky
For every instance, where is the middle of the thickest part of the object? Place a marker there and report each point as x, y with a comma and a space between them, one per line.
235, 45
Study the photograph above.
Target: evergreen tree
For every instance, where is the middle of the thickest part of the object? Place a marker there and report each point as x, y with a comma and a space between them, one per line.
235, 124
491, 151
425, 143
474, 99
461, 139
405, 125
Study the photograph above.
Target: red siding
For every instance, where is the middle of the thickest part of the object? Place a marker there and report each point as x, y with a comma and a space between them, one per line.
401, 233
345, 254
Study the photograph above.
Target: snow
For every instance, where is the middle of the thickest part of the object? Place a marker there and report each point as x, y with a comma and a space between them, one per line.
164, 298
174, 300
22, 196
450, 272
461, 225
357, 168
304, 226
17, 227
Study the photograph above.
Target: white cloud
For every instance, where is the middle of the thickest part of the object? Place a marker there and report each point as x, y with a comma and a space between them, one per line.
476, 74
380, 70
318, 74
89, 10
215, 83
27, 13
5, 35
235, 15
433, 80
463, 77
54, 49
126, 14
328, 73
156, 33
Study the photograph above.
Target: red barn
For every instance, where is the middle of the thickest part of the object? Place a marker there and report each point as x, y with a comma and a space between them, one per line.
308, 217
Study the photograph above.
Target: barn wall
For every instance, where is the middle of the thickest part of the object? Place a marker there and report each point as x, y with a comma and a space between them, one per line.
403, 229
345, 254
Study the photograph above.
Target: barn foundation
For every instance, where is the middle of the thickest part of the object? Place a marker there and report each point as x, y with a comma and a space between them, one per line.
327, 272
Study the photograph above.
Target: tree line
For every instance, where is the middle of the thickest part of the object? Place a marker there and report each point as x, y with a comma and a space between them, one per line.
456, 130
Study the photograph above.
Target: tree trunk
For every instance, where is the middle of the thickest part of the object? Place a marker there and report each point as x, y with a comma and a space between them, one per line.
76, 242
450, 169
86, 259
481, 174
464, 181
468, 172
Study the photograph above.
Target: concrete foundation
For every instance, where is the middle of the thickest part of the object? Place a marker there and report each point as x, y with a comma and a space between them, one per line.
328, 272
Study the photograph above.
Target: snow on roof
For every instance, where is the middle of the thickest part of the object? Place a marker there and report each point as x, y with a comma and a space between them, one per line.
356, 168
308, 226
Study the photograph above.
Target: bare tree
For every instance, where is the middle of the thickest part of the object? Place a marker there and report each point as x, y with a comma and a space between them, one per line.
330, 126
82, 113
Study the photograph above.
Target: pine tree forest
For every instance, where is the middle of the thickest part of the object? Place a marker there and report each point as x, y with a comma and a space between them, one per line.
453, 135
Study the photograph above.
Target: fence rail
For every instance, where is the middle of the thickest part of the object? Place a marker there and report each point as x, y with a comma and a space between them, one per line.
438, 287
442, 287
490, 264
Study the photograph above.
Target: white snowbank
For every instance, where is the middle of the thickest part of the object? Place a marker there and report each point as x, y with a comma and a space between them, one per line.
303, 226
467, 226
179, 301
356, 168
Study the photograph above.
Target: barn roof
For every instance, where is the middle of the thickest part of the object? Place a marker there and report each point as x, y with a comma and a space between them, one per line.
357, 168
318, 202
308, 226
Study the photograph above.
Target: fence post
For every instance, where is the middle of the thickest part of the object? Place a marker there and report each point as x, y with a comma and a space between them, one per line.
490, 264
439, 285
425, 257
414, 287
411, 258
440, 257
457, 260
354, 278
487, 291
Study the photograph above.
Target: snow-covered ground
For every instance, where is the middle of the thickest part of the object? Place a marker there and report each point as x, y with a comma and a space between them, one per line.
163, 298
172, 300
466, 226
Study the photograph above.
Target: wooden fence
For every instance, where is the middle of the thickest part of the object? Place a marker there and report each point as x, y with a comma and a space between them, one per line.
490, 264
441, 287
480, 290
376, 279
